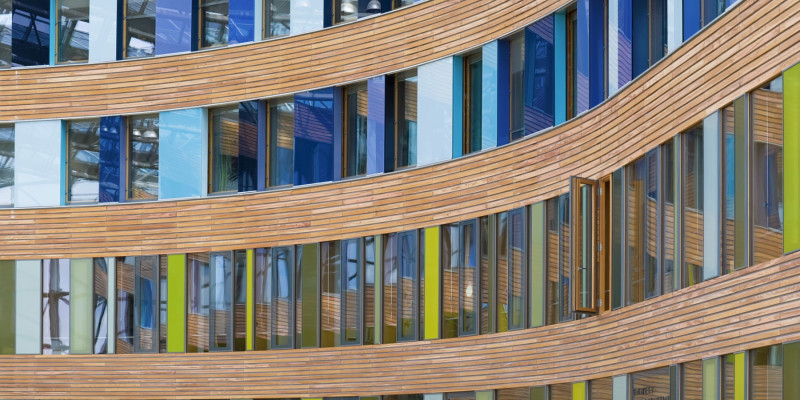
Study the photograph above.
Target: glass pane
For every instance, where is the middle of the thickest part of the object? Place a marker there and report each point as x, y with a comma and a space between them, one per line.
636, 211
221, 301
390, 288
522, 393
278, 20
584, 223
143, 157
7, 165
553, 300
369, 290
652, 276
502, 272
163, 293
225, 149
654, 383
263, 299
728, 377
5, 33
199, 297
146, 300
767, 170
55, 306
450, 278
283, 297
330, 260
692, 193
408, 289
351, 291
84, 161
355, 137
240, 300
468, 306
564, 266
517, 106
73, 30
561, 391
692, 380
766, 373
617, 237
517, 266
406, 146
486, 279
602, 389
140, 28
281, 147
472, 104
8, 307
213, 23
734, 177
668, 227
346, 11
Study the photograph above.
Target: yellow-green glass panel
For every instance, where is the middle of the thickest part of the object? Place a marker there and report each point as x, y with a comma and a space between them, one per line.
250, 298
80, 310
739, 373
432, 283
309, 270
791, 371
579, 391
8, 283
791, 159
484, 395
711, 379
539, 393
176, 303
537, 265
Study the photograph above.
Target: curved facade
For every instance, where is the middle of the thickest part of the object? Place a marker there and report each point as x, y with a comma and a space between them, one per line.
451, 199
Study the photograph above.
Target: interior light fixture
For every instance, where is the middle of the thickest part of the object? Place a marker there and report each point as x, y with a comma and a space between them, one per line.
374, 6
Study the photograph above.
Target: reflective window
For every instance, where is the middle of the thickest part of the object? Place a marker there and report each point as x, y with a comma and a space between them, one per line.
406, 123
31, 33
345, 11
72, 30
561, 391
210, 297
55, 306
143, 157
83, 163
468, 278
137, 299
402, 3
517, 85
669, 235
692, 380
473, 81
766, 373
281, 142
331, 286
369, 290
6, 165
352, 265
240, 300
692, 193
734, 186
517, 256
602, 389
557, 255
213, 23
140, 28
450, 249
767, 171
277, 17
224, 150
283, 292
354, 158
649, 33
263, 299
502, 272
5, 33
572, 70
402, 287
651, 384
643, 278
486, 290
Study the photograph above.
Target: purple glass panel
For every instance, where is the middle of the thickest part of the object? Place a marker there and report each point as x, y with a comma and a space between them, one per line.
376, 124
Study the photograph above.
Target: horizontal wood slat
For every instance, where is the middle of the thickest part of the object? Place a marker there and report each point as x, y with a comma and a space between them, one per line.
674, 95
750, 308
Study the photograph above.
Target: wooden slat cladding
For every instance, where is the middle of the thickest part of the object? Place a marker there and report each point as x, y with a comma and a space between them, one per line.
748, 309
671, 97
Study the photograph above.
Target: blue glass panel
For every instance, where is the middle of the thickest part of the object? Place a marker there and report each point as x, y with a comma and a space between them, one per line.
241, 21
112, 159
596, 52
376, 124
560, 49
313, 136
691, 18
582, 57
174, 26
181, 149
640, 37
540, 75
30, 43
625, 42
503, 76
248, 146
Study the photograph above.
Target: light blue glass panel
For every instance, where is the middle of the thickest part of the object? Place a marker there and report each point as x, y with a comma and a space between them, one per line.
183, 153
582, 59
435, 111
306, 16
489, 109
38, 163
30, 43
103, 32
174, 26
540, 75
376, 124
624, 35
241, 21
28, 305
711, 179
313, 136
674, 24
560, 39
620, 387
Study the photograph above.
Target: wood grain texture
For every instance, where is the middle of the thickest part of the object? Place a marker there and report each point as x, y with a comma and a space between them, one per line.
701, 76
750, 308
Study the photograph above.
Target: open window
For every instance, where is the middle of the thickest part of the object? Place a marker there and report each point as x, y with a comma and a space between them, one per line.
584, 193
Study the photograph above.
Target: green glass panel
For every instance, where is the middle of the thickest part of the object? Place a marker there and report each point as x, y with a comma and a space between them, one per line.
432, 283
80, 310
539, 393
739, 367
309, 270
791, 371
537, 264
791, 170
7, 318
176, 303
484, 395
711, 379
28, 299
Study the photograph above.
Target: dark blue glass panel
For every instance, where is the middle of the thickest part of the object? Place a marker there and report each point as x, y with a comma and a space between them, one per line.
241, 21
313, 136
30, 43
691, 18
625, 42
112, 159
582, 58
248, 146
596, 52
503, 89
640, 36
540, 75
174, 26
376, 124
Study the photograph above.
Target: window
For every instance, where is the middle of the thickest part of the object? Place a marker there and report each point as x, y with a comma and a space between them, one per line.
137, 299
277, 18
402, 3
210, 298
766, 373
143, 157
331, 286
355, 131
692, 380
669, 233
5, 33
73, 30
557, 260
402, 313
517, 255
734, 186
83, 161
283, 294
572, 59
263, 299
649, 35
342, 296
6, 165
55, 306
281, 142
140, 28
240, 300
654, 383
692, 193
517, 85
224, 150
213, 23
406, 121
345, 10
643, 280
473, 79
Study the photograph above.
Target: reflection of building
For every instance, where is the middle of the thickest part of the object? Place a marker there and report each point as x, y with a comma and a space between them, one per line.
299, 217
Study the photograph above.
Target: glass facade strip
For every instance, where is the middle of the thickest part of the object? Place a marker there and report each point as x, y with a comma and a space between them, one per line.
354, 147
100, 306
81, 306
224, 155
248, 158
313, 136
241, 310
183, 153
537, 267
6, 165
331, 292
111, 159
450, 250
278, 17
174, 27
8, 331
56, 306
308, 320
28, 306
539, 76
712, 182
431, 278
791, 166
263, 299
83, 161
250, 294
142, 157
405, 146
502, 270
711, 378
176, 310
139, 29
6, 14
72, 30
692, 380
213, 23
766, 373
654, 383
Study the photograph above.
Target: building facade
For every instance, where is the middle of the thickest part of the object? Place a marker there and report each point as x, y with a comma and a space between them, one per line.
433, 200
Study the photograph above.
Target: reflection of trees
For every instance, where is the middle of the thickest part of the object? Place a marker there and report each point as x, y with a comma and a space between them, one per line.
54, 296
